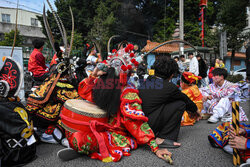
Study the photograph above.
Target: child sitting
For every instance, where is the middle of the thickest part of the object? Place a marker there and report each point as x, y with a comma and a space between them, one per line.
188, 85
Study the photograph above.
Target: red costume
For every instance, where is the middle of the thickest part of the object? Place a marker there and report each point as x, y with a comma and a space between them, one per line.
36, 63
125, 130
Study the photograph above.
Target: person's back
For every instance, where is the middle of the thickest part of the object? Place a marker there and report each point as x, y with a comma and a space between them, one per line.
36, 63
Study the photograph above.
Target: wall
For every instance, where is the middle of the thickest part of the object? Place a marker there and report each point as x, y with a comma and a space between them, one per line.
24, 17
228, 66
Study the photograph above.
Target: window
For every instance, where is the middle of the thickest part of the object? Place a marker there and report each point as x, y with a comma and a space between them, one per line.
34, 22
6, 18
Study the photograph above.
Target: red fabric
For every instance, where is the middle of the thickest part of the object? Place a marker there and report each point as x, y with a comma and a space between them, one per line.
85, 88
210, 75
73, 120
53, 61
36, 63
113, 137
244, 154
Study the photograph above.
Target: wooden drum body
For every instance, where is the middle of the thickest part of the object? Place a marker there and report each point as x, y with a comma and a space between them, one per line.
76, 114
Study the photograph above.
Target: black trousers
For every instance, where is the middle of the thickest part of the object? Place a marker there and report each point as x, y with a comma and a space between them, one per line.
166, 121
39, 80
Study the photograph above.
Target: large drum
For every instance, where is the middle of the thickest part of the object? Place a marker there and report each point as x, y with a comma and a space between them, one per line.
76, 113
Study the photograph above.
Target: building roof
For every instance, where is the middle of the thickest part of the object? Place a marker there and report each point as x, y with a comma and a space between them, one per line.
237, 55
168, 48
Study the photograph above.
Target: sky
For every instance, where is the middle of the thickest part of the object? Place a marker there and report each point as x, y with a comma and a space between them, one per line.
30, 5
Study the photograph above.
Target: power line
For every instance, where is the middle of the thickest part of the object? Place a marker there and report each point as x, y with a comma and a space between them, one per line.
23, 6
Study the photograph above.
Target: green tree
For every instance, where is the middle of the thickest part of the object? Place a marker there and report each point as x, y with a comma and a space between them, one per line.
232, 19
9, 38
164, 29
103, 23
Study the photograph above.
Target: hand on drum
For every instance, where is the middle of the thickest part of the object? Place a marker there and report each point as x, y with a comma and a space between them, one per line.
97, 72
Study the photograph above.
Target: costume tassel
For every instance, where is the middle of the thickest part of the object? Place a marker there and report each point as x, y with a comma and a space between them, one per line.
123, 78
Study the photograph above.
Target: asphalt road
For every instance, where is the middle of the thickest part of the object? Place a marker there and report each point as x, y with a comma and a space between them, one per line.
194, 152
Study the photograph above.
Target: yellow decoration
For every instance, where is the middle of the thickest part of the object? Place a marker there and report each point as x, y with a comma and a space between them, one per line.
107, 159
27, 132
194, 77
3, 58
151, 72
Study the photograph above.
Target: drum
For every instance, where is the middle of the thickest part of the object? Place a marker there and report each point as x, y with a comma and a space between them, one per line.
76, 115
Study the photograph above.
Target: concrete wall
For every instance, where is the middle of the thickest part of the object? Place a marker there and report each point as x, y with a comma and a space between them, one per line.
24, 16
24, 26
28, 31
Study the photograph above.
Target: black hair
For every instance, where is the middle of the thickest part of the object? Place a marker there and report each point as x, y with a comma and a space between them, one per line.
199, 56
165, 67
190, 53
107, 92
176, 57
219, 72
212, 63
37, 43
182, 56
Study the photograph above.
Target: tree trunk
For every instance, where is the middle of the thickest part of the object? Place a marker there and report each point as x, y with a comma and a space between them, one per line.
232, 60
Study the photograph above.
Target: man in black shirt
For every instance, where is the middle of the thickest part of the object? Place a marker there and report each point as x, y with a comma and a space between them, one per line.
163, 103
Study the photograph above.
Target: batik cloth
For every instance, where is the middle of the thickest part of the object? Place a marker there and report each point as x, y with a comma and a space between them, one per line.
127, 129
221, 137
195, 95
222, 97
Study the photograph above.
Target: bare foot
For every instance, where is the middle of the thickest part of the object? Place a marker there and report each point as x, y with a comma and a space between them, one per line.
160, 140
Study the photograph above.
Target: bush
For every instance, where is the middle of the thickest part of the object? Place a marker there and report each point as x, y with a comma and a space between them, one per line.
235, 78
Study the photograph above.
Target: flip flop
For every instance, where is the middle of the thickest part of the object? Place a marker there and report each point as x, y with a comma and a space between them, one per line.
67, 154
167, 143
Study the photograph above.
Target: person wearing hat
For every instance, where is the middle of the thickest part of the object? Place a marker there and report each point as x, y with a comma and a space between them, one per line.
189, 86
110, 88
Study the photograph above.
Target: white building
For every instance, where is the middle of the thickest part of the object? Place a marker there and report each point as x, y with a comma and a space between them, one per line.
28, 24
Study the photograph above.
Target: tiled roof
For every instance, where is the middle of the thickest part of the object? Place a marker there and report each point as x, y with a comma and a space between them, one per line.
237, 54
168, 48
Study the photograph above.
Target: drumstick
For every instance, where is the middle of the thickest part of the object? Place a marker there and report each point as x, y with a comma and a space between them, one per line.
168, 159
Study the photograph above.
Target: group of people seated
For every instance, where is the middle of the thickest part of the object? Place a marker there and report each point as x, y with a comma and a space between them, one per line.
150, 112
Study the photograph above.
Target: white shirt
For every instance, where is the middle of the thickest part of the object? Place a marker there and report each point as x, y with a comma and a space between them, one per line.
194, 66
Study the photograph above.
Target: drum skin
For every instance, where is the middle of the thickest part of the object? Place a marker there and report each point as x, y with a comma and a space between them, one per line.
75, 111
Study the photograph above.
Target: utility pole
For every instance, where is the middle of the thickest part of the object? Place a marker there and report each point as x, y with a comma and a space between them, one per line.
181, 26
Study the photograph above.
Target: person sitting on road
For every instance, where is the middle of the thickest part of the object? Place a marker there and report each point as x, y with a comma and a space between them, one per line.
217, 97
164, 104
108, 88
189, 86
36, 63
225, 137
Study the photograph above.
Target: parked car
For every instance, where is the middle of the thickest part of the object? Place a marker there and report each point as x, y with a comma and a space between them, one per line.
241, 71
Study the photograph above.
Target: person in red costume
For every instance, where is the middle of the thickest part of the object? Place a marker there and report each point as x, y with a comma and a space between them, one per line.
36, 63
108, 88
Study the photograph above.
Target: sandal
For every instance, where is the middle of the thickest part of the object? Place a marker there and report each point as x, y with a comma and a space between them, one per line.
167, 143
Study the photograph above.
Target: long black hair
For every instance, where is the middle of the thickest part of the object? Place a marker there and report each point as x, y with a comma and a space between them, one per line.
107, 92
